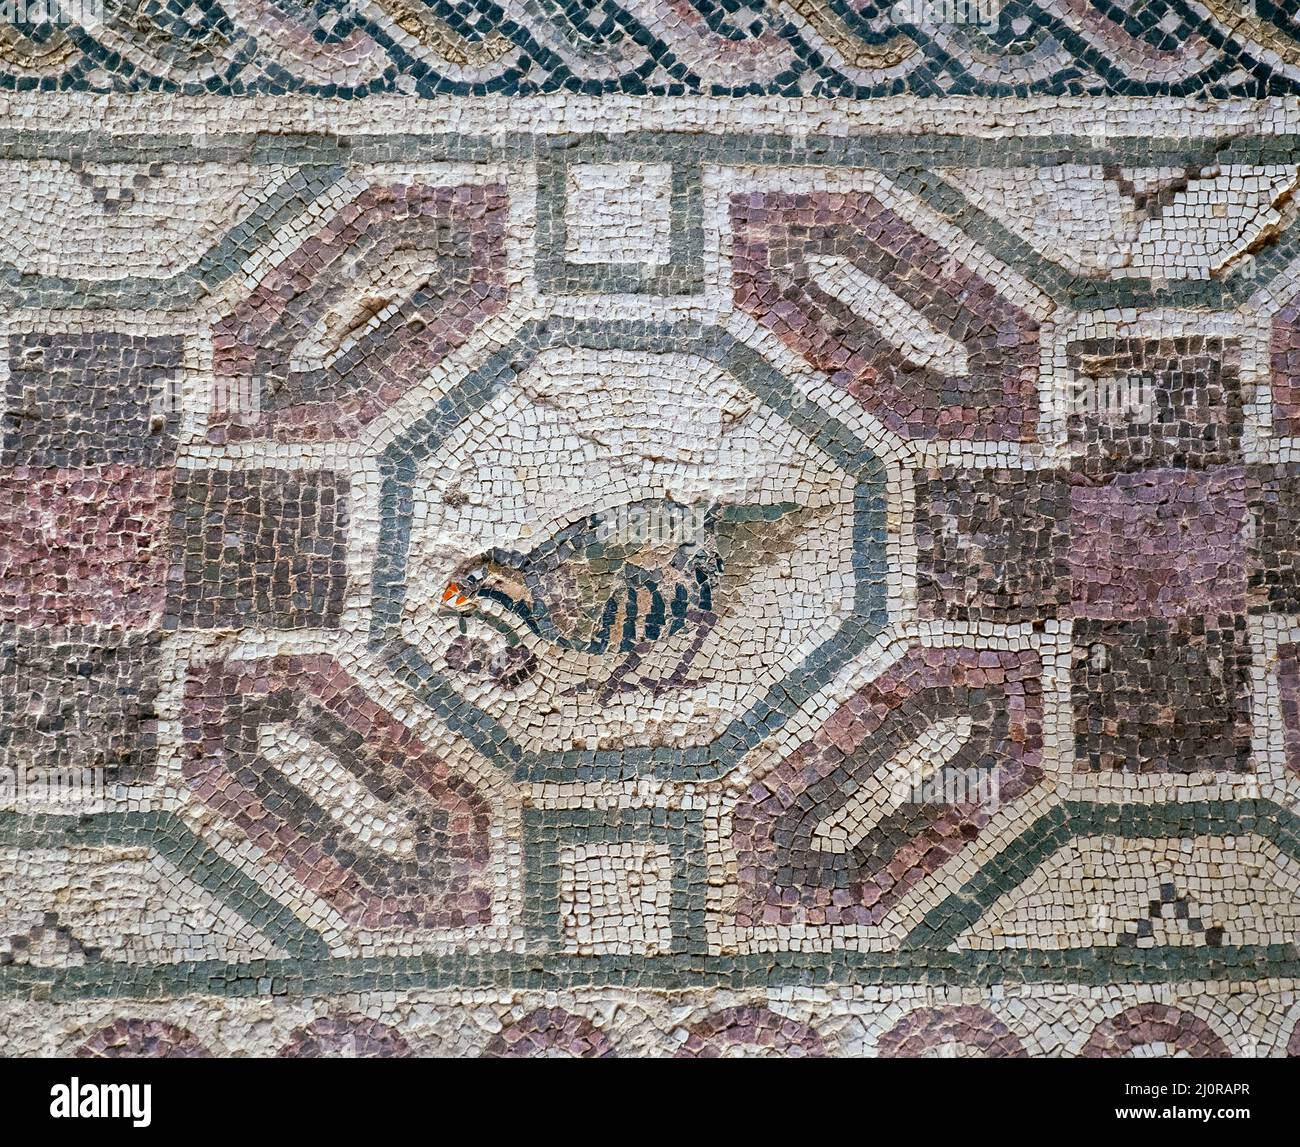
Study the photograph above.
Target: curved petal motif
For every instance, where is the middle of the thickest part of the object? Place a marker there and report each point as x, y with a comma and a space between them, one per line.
749, 1030
931, 1031
1145, 1025
351, 1037
142, 1039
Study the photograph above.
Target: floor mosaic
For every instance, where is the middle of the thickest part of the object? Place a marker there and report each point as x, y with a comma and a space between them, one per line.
355, 48
593, 547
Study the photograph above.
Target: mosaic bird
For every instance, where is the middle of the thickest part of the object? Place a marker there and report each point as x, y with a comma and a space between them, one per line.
622, 582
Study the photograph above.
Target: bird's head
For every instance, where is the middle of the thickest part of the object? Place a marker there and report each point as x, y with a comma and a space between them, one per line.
463, 588
486, 572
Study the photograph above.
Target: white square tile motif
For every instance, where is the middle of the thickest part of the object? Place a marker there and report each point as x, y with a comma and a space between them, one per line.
618, 213
614, 898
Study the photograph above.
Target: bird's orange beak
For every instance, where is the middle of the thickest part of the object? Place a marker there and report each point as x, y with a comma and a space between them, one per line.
454, 596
